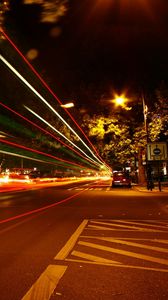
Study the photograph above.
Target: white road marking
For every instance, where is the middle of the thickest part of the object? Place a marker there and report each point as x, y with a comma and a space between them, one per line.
94, 258
118, 266
125, 242
99, 227
43, 288
126, 253
141, 223
71, 242
122, 226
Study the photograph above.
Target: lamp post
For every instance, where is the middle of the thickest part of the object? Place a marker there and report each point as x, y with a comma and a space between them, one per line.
145, 114
148, 167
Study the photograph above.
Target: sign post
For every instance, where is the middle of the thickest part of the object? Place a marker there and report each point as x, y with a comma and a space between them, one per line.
157, 152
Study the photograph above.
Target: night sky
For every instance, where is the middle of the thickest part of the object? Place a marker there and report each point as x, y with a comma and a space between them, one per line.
108, 45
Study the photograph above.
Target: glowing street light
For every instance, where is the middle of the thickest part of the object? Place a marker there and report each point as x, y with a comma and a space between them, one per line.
68, 105
121, 100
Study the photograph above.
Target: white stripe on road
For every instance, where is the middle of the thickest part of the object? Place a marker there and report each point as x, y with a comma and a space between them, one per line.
125, 242
136, 228
143, 224
71, 242
126, 253
43, 288
118, 266
94, 258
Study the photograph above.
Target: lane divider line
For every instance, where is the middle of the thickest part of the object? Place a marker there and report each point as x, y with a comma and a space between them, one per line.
43, 288
62, 254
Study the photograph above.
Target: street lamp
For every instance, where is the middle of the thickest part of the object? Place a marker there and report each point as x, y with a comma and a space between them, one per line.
145, 114
121, 100
68, 105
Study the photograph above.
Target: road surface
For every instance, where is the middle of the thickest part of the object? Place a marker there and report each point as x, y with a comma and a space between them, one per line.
83, 240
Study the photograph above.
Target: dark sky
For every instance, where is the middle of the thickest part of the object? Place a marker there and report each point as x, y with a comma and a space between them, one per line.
103, 44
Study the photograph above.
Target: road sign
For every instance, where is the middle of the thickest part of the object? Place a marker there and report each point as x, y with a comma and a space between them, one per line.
157, 151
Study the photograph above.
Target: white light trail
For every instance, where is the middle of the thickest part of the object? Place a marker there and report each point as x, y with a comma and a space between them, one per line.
42, 98
52, 127
23, 156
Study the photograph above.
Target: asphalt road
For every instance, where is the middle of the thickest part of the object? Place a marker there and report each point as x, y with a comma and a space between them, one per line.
83, 241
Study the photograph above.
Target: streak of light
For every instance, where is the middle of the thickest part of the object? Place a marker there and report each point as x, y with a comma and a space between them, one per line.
24, 156
40, 209
59, 133
46, 132
54, 95
39, 152
42, 99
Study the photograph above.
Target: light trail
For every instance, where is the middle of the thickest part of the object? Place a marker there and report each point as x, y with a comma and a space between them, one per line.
27, 157
28, 213
59, 133
43, 100
46, 132
52, 93
41, 153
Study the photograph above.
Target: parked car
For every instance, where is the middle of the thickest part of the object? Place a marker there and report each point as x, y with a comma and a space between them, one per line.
121, 179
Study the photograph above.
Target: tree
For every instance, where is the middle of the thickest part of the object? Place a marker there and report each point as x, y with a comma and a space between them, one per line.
158, 126
111, 137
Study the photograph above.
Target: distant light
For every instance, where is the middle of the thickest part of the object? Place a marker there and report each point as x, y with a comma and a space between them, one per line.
68, 105
32, 54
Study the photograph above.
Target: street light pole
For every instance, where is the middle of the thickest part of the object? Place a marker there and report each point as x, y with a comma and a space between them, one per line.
145, 113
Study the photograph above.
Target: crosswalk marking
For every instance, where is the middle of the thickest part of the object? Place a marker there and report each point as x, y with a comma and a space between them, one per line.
135, 248
123, 226
90, 189
139, 223
125, 242
94, 257
117, 265
126, 253
99, 227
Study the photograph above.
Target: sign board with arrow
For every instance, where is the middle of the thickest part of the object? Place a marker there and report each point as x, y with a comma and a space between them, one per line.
157, 151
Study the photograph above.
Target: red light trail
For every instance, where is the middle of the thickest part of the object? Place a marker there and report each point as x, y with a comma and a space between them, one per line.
40, 209
45, 131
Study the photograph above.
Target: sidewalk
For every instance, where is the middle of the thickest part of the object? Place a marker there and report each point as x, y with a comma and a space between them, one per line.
143, 188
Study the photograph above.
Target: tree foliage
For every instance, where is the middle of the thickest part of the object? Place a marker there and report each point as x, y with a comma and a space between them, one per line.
158, 126
111, 137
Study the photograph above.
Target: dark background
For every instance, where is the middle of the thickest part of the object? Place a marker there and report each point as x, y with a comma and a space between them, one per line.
101, 46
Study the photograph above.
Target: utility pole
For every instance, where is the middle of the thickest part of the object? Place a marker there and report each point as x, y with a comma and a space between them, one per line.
141, 168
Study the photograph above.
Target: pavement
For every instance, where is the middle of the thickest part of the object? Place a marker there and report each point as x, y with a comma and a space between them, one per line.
143, 188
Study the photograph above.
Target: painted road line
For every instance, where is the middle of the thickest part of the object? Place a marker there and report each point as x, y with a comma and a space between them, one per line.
136, 228
99, 227
43, 288
128, 238
165, 222
62, 254
143, 224
125, 242
118, 266
94, 258
125, 253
